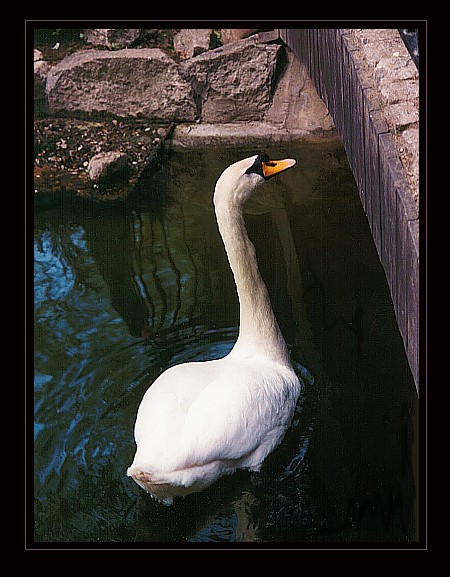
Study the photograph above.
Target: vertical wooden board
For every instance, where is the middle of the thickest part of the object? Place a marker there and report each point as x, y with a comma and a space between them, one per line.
352, 96
335, 76
298, 44
362, 109
323, 61
389, 239
304, 45
353, 126
347, 95
318, 61
289, 38
400, 303
331, 70
375, 126
312, 56
367, 185
347, 102
340, 85
292, 38
406, 212
412, 298
316, 69
359, 139
359, 133
390, 174
364, 179
290, 41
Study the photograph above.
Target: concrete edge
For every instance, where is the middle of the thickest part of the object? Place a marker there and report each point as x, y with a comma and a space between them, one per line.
197, 135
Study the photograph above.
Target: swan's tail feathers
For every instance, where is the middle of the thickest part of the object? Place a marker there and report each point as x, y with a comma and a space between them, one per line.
160, 491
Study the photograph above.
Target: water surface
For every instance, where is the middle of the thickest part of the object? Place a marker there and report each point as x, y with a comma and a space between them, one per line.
123, 292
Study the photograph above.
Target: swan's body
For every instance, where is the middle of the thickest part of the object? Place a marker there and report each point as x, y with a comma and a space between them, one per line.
201, 420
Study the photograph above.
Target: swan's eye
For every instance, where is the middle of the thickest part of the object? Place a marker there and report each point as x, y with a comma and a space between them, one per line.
256, 167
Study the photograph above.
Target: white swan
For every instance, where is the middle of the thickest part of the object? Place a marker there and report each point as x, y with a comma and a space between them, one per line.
201, 420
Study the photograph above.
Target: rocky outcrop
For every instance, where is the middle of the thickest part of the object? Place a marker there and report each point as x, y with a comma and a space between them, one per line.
234, 82
133, 82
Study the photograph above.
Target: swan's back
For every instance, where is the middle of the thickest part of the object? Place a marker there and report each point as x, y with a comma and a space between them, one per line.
222, 409
223, 414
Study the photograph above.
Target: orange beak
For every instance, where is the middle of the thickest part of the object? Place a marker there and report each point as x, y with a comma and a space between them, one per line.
273, 167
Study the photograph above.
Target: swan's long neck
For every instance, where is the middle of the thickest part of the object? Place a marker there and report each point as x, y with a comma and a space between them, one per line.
258, 331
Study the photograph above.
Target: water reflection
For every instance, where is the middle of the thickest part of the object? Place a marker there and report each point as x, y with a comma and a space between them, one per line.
123, 293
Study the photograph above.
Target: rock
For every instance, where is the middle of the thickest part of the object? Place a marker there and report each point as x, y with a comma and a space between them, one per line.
295, 103
234, 34
132, 82
409, 153
401, 114
41, 68
234, 83
106, 165
192, 41
112, 37
394, 68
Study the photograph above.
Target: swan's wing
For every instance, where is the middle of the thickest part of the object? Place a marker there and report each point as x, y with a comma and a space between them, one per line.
242, 409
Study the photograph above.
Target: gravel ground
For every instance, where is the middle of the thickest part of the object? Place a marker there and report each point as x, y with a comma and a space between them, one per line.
64, 146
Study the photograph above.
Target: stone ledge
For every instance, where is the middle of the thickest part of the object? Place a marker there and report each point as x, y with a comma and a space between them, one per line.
247, 133
387, 65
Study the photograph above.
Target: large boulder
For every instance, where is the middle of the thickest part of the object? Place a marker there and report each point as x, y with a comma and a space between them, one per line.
112, 37
234, 82
190, 42
234, 34
132, 82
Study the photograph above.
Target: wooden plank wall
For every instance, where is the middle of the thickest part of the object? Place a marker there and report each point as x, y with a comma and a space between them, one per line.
332, 59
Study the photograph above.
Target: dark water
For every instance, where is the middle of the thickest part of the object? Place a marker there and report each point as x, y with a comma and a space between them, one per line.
122, 293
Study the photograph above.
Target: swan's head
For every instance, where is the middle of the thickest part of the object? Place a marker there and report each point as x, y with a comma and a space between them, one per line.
238, 181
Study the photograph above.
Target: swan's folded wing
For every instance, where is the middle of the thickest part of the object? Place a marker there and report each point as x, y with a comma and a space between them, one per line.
241, 411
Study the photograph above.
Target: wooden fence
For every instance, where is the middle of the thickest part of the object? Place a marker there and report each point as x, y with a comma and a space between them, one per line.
331, 58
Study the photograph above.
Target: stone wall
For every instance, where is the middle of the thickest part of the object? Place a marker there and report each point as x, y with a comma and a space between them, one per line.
370, 85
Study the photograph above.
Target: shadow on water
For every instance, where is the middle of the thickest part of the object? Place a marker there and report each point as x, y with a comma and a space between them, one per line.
122, 293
